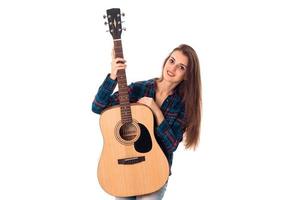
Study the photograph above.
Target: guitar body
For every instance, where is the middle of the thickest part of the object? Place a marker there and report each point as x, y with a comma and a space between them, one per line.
131, 161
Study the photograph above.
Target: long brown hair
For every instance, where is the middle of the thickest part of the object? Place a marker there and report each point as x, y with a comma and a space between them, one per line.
190, 89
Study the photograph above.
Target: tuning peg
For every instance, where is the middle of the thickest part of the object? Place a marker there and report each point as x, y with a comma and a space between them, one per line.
104, 16
105, 23
124, 29
123, 14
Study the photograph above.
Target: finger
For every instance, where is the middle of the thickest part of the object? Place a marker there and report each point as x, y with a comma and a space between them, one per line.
141, 99
119, 60
120, 65
117, 63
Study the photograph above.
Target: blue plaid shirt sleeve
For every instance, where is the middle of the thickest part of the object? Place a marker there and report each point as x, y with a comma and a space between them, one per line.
105, 96
171, 134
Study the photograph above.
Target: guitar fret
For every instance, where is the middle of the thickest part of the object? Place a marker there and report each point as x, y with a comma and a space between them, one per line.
121, 77
122, 82
118, 50
123, 92
126, 121
127, 117
124, 89
126, 110
123, 98
126, 114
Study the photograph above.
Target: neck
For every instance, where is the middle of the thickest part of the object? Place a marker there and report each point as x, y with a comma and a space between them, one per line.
165, 88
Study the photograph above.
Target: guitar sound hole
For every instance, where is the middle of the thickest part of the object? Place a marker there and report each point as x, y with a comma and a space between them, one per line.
128, 132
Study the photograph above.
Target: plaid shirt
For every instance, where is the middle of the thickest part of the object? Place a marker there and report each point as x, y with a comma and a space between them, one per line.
170, 132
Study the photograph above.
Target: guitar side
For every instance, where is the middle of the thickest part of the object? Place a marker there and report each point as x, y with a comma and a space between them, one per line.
133, 168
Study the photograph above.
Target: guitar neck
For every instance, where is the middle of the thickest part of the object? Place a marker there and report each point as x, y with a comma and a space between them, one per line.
122, 85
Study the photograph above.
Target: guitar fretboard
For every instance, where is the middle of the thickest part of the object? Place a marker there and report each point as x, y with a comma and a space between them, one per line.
122, 85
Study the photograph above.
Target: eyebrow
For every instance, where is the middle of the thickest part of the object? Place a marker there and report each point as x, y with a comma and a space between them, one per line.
180, 63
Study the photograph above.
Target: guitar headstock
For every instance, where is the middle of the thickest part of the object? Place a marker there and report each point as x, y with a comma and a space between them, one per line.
114, 22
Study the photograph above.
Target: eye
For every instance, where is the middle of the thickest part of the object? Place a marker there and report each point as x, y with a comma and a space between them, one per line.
182, 67
171, 60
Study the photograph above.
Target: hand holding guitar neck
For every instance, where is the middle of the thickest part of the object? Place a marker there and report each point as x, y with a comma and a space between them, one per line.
116, 64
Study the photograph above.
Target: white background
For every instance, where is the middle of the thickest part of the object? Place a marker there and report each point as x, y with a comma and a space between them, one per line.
55, 54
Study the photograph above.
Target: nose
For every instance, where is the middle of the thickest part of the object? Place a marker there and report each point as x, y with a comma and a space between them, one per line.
174, 67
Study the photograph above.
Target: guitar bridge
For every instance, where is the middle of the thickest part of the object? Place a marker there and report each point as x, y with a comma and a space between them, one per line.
130, 161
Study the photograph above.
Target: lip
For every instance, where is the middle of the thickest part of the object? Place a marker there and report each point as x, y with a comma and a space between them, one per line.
170, 73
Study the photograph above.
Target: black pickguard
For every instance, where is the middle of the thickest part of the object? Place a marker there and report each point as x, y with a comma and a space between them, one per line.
144, 143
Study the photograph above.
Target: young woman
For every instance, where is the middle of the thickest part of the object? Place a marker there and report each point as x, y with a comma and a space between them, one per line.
174, 98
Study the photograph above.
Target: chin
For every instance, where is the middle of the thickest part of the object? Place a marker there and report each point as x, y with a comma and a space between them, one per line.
170, 79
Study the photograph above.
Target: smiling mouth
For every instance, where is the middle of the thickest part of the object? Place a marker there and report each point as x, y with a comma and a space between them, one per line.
170, 74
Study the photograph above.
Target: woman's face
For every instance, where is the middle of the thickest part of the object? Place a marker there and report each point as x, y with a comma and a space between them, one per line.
175, 67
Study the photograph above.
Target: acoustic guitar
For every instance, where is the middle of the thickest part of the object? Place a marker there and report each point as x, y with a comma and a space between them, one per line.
131, 162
